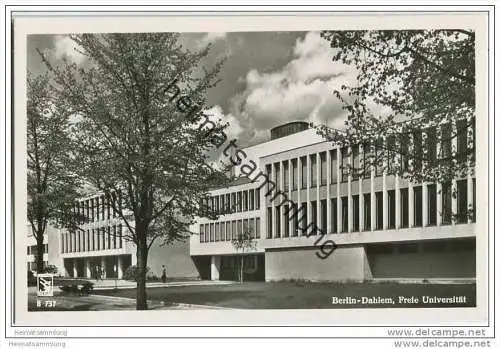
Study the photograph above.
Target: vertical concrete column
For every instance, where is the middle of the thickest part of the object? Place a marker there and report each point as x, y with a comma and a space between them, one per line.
214, 267
318, 183
289, 193
119, 263
425, 203
398, 202
88, 273
328, 195
308, 191
350, 161
339, 203
411, 208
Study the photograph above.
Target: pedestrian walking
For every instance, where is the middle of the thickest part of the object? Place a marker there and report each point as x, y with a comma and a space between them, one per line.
163, 274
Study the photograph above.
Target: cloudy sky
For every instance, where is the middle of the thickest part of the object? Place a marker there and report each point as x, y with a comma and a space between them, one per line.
269, 78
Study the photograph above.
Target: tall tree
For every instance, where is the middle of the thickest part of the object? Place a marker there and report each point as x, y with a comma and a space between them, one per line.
412, 105
142, 133
243, 242
52, 186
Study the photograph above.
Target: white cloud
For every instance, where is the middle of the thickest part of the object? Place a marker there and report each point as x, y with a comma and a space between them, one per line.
64, 46
301, 90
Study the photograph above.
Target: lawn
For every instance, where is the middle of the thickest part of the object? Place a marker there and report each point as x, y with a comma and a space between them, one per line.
303, 295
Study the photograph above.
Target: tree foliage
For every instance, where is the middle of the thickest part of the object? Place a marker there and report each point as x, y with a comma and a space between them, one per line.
408, 81
134, 137
52, 184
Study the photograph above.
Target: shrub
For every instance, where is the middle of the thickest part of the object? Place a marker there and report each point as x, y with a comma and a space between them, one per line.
132, 273
81, 289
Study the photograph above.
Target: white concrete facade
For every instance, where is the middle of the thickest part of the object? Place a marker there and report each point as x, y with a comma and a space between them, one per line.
359, 214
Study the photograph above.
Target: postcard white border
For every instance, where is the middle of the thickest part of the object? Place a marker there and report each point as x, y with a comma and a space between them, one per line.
478, 316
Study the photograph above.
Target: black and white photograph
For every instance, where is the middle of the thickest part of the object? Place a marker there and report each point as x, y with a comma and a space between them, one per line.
221, 169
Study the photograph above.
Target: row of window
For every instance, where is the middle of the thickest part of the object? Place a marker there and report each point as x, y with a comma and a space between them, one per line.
281, 219
241, 201
104, 238
97, 208
32, 249
359, 164
227, 231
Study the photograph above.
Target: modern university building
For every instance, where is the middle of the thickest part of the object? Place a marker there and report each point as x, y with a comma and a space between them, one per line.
383, 226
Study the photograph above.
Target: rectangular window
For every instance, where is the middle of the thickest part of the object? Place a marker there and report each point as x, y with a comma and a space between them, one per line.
333, 208
367, 212
345, 214
333, 166
303, 218
295, 176
404, 146
270, 182
314, 217
277, 221
217, 231
303, 172
251, 200
88, 240
257, 199
391, 208
314, 170
286, 213
285, 176
356, 166
355, 213
202, 233
322, 159
233, 202
462, 201
222, 204
120, 235
114, 236
108, 229
446, 203
239, 201
104, 211
345, 164
432, 204
417, 150
245, 227
233, 230
212, 232
379, 209
404, 208
269, 219
324, 213
277, 175
417, 206
227, 209
223, 231
295, 220
257, 228
239, 224
245, 200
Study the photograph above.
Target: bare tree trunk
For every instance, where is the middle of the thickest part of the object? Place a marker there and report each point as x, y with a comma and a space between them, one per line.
39, 246
142, 258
